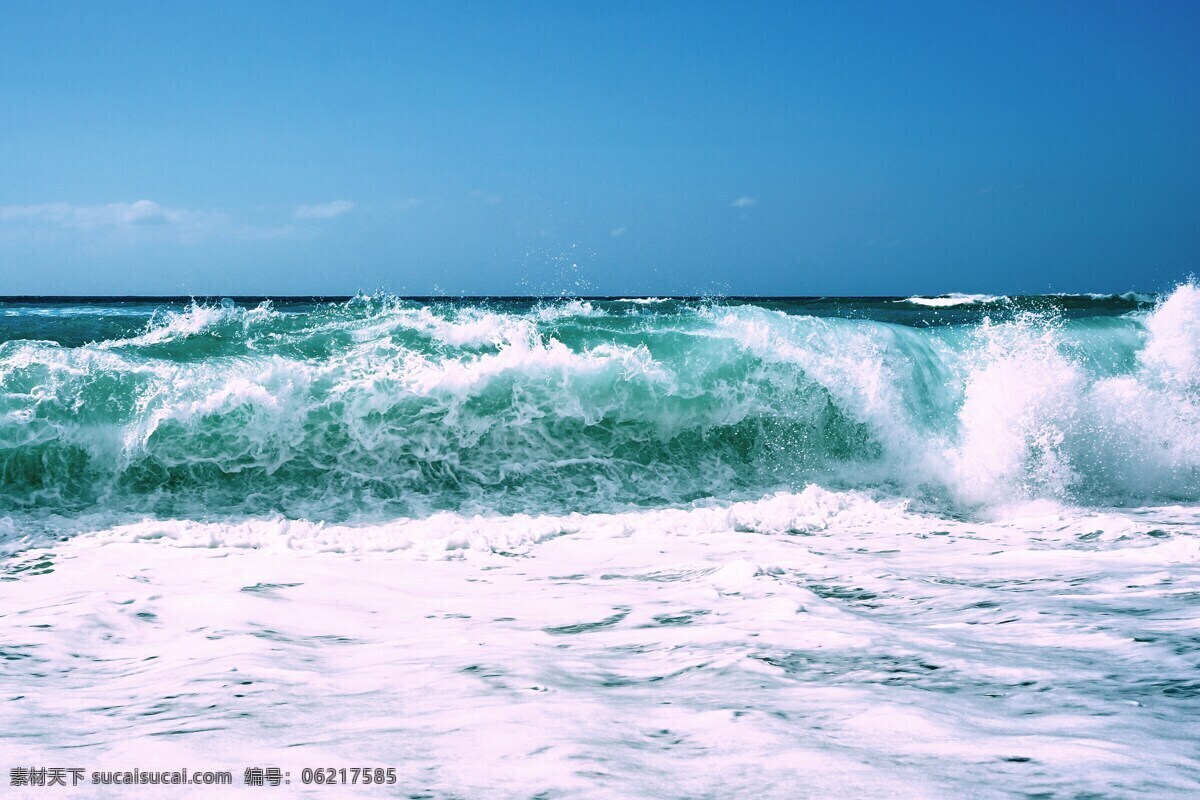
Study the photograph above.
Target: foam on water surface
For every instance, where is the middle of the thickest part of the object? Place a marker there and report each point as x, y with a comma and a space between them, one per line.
607, 548
796, 646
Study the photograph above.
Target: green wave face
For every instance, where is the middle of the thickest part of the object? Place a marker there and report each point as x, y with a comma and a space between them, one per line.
381, 407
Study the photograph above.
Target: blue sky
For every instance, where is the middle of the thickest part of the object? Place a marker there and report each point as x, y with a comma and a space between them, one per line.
598, 148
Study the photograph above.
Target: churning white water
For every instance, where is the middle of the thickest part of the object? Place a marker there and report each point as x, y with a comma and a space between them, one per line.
608, 549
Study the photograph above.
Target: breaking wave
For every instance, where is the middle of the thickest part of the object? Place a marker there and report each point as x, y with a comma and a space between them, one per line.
381, 407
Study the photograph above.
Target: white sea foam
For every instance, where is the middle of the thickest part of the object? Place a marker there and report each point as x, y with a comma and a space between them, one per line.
867, 648
923, 562
986, 414
553, 312
953, 299
1007, 410
194, 320
644, 301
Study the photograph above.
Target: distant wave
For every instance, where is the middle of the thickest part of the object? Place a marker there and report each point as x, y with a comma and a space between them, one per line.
954, 299
1130, 297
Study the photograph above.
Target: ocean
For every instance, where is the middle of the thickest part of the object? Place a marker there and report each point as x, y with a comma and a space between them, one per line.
903, 547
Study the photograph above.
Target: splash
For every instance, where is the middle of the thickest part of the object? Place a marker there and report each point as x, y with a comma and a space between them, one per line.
380, 407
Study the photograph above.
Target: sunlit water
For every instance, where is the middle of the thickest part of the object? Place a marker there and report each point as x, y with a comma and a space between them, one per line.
917, 548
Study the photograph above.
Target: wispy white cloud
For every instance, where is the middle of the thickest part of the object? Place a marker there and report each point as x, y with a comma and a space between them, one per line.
618, 232
335, 208
744, 202
111, 215
142, 221
485, 197
141, 218
408, 203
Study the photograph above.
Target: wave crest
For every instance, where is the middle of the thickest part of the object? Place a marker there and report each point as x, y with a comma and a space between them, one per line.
385, 407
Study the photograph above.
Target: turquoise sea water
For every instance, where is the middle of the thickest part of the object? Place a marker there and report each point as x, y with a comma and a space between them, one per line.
375, 407
926, 547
